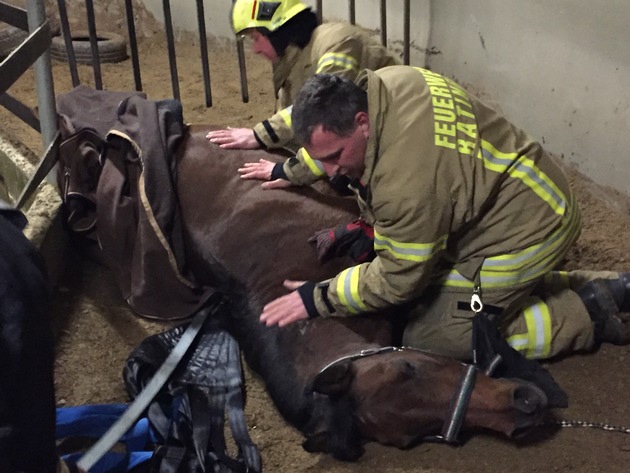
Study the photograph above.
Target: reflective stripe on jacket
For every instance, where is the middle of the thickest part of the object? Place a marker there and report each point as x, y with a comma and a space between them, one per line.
455, 193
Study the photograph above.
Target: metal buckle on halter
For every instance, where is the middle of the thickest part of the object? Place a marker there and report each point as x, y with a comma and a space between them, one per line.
374, 351
366, 352
363, 353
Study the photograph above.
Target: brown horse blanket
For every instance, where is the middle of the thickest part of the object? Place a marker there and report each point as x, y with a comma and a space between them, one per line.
117, 175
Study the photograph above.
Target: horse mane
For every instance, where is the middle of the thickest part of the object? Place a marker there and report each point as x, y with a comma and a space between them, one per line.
268, 356
261, 349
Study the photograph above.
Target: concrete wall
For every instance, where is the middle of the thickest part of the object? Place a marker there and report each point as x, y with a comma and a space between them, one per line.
559, 69
367, 15
217, 14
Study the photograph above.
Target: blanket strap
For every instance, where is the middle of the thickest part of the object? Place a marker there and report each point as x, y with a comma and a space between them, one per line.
135, 410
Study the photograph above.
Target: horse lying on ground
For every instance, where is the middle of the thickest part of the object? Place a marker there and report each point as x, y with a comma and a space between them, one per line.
260, 239
248, 241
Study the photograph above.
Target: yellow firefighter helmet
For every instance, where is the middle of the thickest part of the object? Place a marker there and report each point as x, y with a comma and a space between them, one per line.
260, 14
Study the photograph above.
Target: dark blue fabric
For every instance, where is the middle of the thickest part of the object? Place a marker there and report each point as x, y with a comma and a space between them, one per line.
92, 421
114, 462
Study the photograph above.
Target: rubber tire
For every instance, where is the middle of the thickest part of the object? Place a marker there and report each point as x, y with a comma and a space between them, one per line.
112, 48
11, 37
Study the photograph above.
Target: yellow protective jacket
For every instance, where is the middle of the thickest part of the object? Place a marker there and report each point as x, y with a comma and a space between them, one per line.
457, 196
336, 48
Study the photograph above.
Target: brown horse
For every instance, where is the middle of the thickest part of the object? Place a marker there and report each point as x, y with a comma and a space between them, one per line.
259, 238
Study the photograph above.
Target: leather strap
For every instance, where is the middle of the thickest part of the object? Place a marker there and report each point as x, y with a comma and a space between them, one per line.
139, 405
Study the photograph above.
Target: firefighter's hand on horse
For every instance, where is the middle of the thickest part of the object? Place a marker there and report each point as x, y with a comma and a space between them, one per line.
261, 170
234, 138
285, 309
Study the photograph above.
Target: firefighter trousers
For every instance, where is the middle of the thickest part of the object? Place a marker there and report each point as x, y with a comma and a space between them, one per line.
541, 319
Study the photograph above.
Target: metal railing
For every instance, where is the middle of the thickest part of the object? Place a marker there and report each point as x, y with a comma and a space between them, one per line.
33, 51
133, 46
201, 31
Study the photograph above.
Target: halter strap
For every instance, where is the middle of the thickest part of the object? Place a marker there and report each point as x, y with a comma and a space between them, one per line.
363, 354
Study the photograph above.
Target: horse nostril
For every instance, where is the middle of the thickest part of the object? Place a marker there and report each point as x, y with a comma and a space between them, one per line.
529, 399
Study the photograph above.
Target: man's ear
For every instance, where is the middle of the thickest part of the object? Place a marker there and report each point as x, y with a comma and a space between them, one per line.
362, 119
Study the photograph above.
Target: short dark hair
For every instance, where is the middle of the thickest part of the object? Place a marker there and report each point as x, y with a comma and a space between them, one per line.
330, 101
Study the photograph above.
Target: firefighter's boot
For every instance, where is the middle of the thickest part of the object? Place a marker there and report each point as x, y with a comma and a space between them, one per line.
604, 299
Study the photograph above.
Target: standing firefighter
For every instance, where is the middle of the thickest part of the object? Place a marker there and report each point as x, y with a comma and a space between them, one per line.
462, 204
286, 32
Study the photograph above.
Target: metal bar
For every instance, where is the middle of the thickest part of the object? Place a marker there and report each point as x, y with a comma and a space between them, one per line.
351, 12
43, 169
457, 411
242, 68
96, 59
67, 37
384, 22
20, 110
203, 44
320, 9
406, 35
170, 40
133, 44
47, 109
14, 16
24, 56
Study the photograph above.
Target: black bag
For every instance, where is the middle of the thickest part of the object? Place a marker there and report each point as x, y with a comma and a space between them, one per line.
189, 412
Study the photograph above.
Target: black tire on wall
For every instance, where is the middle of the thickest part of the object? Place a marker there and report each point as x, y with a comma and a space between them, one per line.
112, 48
11, 37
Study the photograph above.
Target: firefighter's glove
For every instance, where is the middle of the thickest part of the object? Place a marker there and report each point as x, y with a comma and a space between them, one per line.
354, 239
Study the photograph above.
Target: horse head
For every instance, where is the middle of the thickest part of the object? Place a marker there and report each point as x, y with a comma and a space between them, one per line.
404, 396
364, 389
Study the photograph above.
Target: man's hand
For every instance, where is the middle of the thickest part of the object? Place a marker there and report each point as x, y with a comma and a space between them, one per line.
261, 171
286, 309
234, 138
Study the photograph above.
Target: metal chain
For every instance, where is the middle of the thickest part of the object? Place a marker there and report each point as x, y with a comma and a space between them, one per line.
594, 425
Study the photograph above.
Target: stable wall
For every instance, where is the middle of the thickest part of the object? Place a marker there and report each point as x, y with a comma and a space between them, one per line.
217, 17
559, 69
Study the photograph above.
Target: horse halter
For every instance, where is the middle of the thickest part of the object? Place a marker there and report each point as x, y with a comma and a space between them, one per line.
459, 401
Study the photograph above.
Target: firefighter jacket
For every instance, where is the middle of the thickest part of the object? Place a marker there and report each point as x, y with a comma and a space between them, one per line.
337, 48
457, 196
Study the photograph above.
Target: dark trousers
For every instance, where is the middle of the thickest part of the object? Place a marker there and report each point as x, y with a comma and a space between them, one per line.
27, 402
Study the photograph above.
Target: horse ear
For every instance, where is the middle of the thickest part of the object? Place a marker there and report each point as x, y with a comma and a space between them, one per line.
335, 380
